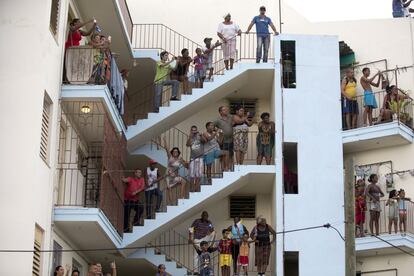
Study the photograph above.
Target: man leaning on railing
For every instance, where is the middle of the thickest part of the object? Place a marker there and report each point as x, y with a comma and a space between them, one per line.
262, 23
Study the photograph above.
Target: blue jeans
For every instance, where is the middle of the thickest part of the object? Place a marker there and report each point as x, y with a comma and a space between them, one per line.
158, 92
262, 42
148, 198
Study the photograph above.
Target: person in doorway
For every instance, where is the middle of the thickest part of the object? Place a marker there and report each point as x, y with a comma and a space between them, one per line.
227, 32
374, 193
392, 202
225, 246
199, 68
402, 205
225, 124
161, 270
241, 123
134, 186
211, 139
360, 208
237, 232
370, 102
181, 70
153, 177
265, 139
261, 236
195, 142
175, 162
201, 230
163, 69
75, 32
208, 50
262, 23
349, 102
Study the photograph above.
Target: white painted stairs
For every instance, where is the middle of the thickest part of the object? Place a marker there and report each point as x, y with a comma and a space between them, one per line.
219, 189
168, 116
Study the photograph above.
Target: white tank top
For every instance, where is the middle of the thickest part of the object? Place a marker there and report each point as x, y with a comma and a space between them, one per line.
152, 178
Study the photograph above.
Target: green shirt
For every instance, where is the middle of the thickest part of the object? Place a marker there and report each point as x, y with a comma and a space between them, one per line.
162, 72
227, 127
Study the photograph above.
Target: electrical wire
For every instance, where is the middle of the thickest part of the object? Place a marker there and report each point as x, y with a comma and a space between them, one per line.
327, 226
396, 247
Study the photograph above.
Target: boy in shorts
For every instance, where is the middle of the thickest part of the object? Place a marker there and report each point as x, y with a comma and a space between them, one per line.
205, 264
225, 246
208, 52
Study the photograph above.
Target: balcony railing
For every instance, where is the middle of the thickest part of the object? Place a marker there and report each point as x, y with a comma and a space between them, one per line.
183, 252
156, 36
402, 111
91, 163
384, 219
86, 65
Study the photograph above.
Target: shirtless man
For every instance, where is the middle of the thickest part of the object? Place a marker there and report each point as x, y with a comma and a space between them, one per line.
369, 98
374, 193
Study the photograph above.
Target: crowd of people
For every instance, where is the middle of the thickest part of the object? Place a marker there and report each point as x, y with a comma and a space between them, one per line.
350, 105
233, 247
94, 269
224, 138
369, 197
172, 72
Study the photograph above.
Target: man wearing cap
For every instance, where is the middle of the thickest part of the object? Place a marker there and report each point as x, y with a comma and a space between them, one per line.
208, 51
153, 176
262, 23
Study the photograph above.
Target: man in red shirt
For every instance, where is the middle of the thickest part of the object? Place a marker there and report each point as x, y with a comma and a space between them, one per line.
135, 185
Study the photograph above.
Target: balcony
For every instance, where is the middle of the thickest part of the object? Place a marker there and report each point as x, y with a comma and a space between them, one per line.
114, 19
367, 246
89, 192
395, 131
92, 75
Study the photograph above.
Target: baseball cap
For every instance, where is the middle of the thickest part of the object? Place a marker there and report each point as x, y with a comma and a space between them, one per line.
262, 8
207, 39
152, 162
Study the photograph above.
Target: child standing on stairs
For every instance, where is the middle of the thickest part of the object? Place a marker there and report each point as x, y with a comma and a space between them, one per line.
199, 72
225, 246
243, 259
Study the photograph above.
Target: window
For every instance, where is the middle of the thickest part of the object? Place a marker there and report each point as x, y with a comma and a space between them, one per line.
243, 206
57, 255
291, 263
37, 256
290, 168
249, 105
288, 49
45, 131
54, 17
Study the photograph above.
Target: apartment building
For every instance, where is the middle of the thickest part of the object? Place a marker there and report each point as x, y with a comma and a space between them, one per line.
87, 132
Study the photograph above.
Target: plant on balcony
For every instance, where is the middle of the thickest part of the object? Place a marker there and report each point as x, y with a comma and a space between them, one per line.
398, 107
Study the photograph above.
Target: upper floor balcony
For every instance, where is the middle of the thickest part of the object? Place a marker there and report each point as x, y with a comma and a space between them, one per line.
392, 116
389, 234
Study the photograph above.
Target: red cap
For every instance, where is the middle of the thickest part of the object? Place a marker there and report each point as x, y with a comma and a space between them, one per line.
152, 162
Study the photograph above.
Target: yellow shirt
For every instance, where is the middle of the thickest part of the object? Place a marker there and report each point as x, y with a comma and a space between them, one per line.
350, 89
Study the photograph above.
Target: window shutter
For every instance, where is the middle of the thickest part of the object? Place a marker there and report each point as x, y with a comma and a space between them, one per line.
54, 16
37, 248
45, 130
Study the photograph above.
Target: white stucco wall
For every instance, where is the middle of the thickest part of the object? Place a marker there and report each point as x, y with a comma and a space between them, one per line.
312, 119
401, 262
31, 64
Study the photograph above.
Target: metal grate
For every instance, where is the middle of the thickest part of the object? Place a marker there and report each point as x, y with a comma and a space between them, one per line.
249, 105
36, 253
44, 135
243, 206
